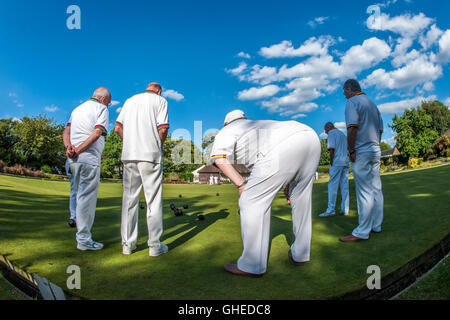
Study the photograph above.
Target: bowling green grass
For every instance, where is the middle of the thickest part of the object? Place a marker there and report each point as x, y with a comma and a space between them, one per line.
35, 236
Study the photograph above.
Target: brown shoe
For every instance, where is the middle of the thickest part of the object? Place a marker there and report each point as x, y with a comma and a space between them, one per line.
233, 269
351, 238
298, 264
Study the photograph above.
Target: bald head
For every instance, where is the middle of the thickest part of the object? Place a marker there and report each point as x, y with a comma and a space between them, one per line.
103, 95
328, 127
156, 87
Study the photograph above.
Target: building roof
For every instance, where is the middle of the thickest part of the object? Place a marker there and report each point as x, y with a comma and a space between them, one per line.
390, 153
212, 169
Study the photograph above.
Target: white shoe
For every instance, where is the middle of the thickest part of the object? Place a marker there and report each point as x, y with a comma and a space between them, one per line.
326, 215
157, 251
127, 250
92, 246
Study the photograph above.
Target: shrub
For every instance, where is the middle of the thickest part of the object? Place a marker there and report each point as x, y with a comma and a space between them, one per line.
413, 163
441, 146
46, 169
2, 165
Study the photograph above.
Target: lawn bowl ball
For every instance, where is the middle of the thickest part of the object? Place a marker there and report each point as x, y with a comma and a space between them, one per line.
217, 194
172, 206
180, 196
178, 212
185, 206
201, 217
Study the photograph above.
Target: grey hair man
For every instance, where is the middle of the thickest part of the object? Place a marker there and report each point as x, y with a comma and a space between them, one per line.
84, 141
364, 130
143, 124
339, 170
279, 154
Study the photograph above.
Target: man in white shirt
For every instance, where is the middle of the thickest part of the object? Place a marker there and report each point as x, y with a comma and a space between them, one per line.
278, 154
364, 130
84, 141
143, 124
339, 169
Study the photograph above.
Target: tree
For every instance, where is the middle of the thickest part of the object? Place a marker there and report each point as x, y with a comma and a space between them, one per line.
415, 134
111, 164
325, 154
440, 115
7, 141
38, 142
180, 155
384, 146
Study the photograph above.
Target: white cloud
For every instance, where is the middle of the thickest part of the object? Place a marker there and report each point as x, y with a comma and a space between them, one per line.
431, 37
447, 102
400, 106
323, 135
119, 109
406, 25
16, 119
114, 103
341, 126
311, 47
362, 57
391, 141
317, 21
444, 48
297, 116
259, 93
243, 55
238, 70
12, 94
172, 94
416, 72
51, 108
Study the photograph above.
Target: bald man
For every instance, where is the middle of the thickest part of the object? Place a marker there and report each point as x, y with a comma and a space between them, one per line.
279, 154
143, 125
84, 139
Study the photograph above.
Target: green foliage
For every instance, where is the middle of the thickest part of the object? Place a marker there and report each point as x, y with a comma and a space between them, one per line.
415, 133
440, 115
441, 146
7, 140
384, 146
181, 156
36, 142
112, 166
325, 154
46, 169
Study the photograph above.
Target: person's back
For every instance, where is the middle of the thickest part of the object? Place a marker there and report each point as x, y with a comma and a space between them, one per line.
247, 139
337, 140
362, 111
86, 117
141, 117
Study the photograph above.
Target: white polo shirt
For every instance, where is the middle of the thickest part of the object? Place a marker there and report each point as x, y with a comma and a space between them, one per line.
141, 117
246, 140
83, 121
338, 141
362, 113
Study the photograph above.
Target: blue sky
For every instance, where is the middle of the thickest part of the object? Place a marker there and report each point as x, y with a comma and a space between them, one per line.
279, 60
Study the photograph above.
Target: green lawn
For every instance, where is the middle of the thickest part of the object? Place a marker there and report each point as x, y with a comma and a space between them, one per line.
34, 234
8, 292
433, 286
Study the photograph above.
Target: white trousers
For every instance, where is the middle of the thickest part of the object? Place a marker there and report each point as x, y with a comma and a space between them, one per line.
73, 194
293, 162
369, 194
86, 180
135, 176
338, 179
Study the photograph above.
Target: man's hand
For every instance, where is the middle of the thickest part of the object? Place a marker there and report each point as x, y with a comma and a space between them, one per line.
241, 189
286, 194
71, 152
352, 156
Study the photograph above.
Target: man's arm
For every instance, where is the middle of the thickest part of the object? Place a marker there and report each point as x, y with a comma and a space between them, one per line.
351, 138
163, 134
228, 170
70, 149
331, 155
89, 141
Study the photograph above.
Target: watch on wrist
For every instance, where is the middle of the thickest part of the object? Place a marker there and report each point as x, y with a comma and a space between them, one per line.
242, 184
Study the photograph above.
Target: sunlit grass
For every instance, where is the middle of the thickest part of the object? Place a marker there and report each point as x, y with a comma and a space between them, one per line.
34, 234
